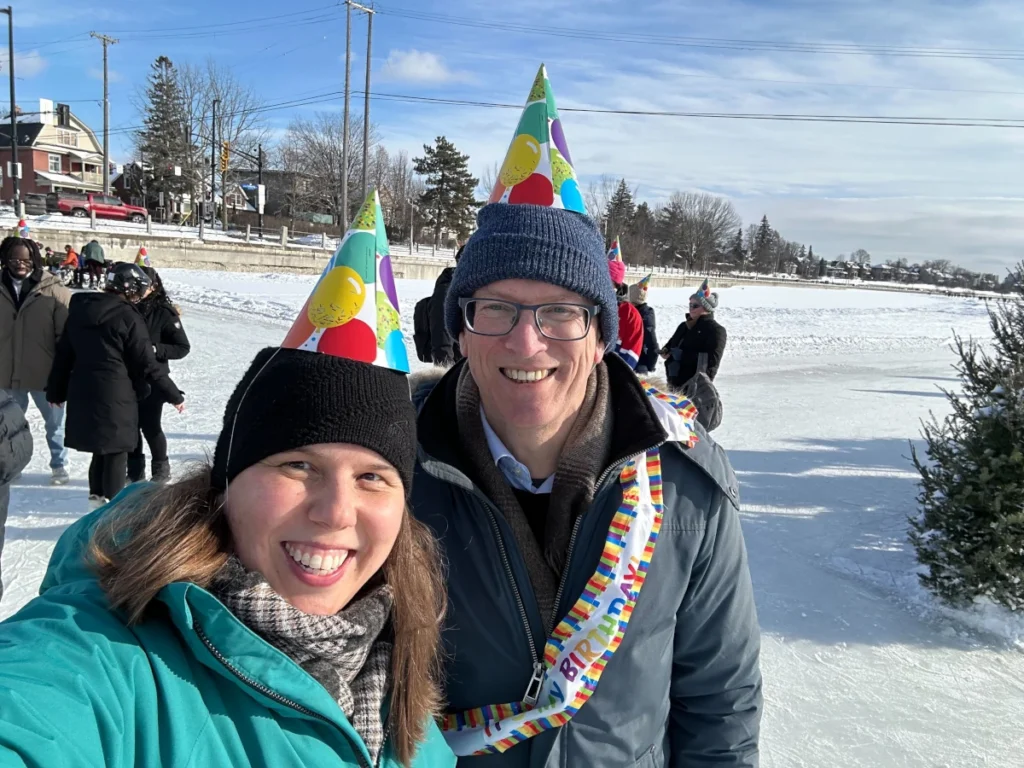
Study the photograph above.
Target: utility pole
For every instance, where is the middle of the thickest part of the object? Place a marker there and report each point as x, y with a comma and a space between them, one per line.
15, 176
366, 96
106, 111
411, 230
213, 164
259, 180
344, 128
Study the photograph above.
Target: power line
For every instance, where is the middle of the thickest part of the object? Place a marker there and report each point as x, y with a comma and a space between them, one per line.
230, 23
910, 120
778, 46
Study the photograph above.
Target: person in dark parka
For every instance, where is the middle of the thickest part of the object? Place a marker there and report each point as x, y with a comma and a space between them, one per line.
698, 334
649, 351
15, 452
443, 349
104, 366
169, 343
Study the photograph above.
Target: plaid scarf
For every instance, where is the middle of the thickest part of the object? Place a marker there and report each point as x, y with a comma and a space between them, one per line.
344, 652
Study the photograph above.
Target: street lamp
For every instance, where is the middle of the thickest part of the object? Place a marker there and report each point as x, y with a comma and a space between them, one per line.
15, 175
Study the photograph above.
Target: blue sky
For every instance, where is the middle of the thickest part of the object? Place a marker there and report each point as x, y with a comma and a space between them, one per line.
898, 191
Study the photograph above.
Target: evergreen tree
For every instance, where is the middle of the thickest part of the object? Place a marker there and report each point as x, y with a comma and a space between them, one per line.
822, 268
763, 244
970, 531
639, 239
448, 201
163, 144
810, 253
737, 255
620, 211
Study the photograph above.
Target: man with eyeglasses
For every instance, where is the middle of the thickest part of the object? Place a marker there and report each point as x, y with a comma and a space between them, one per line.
33, 310
600, 606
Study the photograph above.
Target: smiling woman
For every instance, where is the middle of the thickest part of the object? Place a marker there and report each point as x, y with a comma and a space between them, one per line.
276, 606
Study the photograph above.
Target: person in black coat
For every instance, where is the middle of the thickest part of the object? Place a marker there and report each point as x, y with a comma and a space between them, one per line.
169, 343
699, 334
650, 349
444, 350
104, 366
15, 452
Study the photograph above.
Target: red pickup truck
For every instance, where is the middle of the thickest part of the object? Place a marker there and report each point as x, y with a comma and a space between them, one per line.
79, 204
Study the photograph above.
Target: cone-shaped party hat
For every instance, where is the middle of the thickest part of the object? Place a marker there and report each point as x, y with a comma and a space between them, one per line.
22, 230
615, 251
645, 282
704, 290
142, 258
538, 168
353, 310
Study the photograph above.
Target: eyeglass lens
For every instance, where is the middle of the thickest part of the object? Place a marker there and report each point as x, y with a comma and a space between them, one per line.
562, 322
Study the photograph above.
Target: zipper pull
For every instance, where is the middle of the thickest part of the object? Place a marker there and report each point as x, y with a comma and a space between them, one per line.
533, 689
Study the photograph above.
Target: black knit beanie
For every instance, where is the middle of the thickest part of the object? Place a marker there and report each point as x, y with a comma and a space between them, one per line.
290, 398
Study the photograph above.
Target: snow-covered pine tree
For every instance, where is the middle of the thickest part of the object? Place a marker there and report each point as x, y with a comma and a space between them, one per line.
969, 534
162, 143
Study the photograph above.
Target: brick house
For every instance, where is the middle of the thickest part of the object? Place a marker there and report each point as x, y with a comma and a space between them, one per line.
56, 151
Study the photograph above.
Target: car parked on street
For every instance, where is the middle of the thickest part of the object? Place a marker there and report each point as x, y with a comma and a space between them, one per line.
35, 204
80, 204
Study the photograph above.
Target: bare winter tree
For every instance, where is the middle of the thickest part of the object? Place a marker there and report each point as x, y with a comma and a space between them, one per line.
695, 227
487, 181
598, 195
314, 148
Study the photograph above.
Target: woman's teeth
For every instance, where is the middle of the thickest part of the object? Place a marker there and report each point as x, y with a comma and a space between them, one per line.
516, 375
317, 563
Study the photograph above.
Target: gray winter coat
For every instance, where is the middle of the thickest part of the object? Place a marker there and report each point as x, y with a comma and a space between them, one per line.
684, 688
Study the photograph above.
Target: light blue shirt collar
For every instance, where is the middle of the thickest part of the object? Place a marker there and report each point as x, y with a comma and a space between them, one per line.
517, 473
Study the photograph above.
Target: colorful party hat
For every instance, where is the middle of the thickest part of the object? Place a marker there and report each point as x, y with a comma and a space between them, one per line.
142, 259
705, 290
22, 230
645, 282
353, 310
615, 251
538, 168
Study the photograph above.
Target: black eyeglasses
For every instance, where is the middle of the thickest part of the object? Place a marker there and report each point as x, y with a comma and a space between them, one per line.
559, 321
26, 262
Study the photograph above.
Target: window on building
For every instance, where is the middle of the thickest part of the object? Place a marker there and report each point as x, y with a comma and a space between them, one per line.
67, 138
55, 164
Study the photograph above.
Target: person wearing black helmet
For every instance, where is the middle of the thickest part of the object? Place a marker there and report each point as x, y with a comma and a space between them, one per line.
104, 366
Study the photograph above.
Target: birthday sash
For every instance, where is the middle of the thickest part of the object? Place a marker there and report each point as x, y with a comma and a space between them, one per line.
585, 640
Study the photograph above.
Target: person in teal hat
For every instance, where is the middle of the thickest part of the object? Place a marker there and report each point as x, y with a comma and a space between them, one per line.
278, 606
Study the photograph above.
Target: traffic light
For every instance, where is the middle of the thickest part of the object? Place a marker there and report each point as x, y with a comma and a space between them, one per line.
225, 148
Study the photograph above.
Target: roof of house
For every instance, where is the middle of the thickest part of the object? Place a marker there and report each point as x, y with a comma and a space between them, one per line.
27, 134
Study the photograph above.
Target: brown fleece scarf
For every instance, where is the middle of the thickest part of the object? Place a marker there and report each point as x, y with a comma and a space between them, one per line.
583, 458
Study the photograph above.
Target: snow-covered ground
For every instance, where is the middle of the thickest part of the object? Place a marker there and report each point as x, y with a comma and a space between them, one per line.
823, 391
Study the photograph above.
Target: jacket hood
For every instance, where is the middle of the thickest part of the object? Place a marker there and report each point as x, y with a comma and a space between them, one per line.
92, 309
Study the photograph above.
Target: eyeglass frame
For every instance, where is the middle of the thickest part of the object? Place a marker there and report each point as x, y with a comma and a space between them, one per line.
593, 310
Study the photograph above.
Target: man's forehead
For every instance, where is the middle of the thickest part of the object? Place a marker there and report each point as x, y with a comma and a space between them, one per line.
528, 291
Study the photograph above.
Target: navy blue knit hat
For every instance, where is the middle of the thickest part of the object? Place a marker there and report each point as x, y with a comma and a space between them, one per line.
533, 242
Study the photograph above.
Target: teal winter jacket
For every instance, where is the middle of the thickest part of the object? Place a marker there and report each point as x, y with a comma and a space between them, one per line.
189, 686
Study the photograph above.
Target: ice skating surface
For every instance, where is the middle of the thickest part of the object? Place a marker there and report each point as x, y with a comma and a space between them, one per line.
823, 391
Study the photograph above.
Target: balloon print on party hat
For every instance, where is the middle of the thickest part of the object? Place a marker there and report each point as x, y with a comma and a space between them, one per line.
353, 311
538, 168
142, 258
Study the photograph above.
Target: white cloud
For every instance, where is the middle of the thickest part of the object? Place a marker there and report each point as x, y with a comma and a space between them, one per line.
916, 191
26, 63
420, 67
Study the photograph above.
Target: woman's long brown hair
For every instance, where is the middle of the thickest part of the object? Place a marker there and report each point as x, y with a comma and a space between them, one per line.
178, 532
